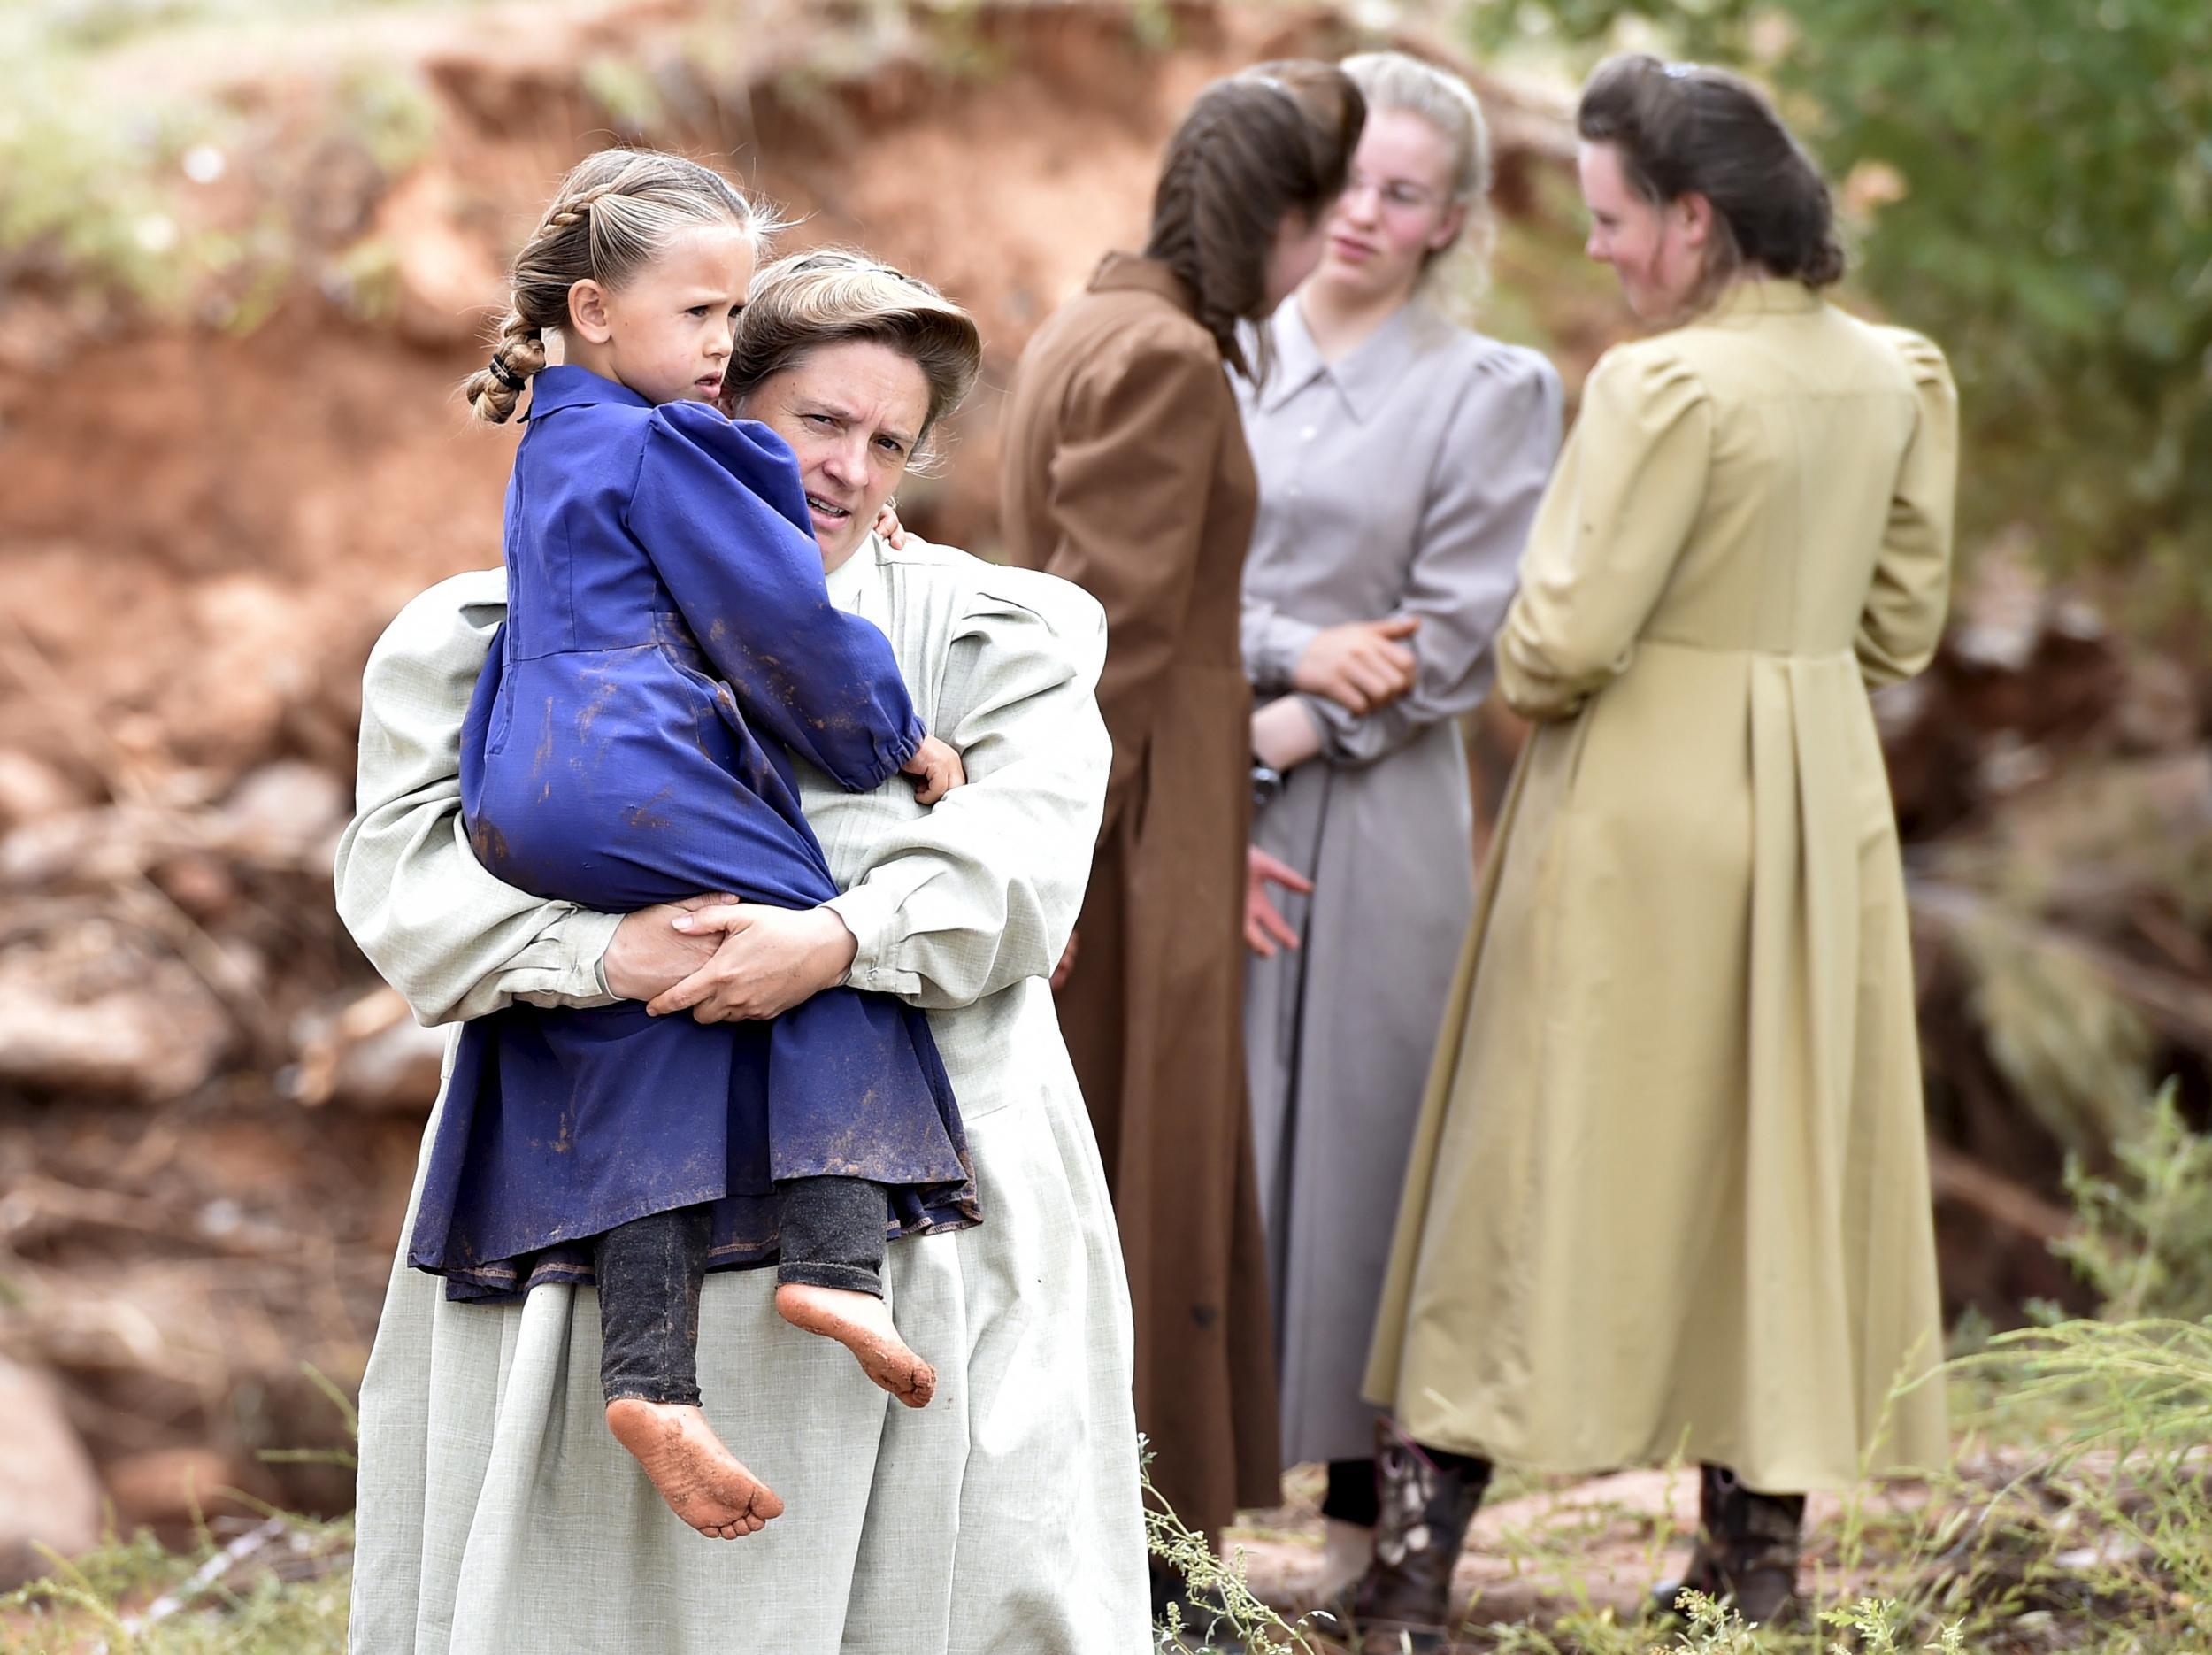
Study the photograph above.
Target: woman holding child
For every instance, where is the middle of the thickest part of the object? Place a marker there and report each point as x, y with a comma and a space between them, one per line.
497, 1513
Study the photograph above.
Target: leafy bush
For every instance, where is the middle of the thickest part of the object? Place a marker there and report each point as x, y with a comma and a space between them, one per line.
2037, 179
2146, 1238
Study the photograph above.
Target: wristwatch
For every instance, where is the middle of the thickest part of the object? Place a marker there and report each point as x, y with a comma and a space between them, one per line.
1267, 783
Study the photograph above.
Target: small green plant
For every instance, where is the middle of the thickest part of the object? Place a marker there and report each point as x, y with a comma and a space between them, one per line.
1229, 1607
2144, 1243
280, 1588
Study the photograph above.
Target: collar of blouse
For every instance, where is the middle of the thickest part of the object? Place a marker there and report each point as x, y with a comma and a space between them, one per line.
1363, 378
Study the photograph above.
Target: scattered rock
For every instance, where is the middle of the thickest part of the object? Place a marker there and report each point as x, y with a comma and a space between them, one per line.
284, 811
88, 1008
204, 886
372, 1055
49, 1495
31, 789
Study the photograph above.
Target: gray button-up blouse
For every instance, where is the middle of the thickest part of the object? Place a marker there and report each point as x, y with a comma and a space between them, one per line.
1401, 480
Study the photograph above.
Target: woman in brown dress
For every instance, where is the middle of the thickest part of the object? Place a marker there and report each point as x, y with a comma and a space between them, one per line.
1127, 471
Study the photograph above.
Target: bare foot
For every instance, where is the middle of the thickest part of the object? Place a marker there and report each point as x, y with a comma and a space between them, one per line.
862, 1324
699, 1478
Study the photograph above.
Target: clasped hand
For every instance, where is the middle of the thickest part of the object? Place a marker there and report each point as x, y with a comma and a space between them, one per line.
1361, 666
725, 961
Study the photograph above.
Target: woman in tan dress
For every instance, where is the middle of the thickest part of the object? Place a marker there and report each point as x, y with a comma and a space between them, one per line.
1670, 1193
1127, 473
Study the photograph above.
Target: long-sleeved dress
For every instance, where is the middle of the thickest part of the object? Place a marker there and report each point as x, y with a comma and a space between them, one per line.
1401, 481
670, 646
1127, 471
1669, 1192
496, 1517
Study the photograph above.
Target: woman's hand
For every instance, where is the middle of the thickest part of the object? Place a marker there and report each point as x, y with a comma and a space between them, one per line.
1361, 666
889, 529
769, 960
936, 769
648, 956
1264, 926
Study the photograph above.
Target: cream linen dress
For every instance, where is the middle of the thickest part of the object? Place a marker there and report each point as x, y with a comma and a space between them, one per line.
1670, 1191
496, 1515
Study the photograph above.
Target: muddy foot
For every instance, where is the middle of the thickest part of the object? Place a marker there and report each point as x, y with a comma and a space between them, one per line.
699, 1478
862, 1324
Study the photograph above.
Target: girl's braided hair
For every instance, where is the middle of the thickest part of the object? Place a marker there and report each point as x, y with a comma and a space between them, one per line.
614, 212
1268, 142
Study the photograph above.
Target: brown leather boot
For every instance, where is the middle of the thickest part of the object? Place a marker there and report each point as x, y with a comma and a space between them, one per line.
1428, 1497
1746, 1552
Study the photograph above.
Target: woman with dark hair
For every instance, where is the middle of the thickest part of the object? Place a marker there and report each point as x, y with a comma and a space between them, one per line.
1127, 471
1669, 1194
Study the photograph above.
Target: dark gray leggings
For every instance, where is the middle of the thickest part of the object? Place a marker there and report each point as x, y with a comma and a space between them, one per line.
651, 1271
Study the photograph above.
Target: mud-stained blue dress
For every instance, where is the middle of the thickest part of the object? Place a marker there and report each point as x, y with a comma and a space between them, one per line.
669, 643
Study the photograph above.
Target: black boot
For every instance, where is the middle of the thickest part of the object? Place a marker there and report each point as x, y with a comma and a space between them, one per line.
1746, 1550
1428, 1496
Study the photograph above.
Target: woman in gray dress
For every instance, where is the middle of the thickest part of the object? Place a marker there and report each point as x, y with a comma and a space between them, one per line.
1400, 458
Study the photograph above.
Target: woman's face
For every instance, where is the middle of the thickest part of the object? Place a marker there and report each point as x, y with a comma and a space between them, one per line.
852, 412
1396, 211
1300, 240
1658, 252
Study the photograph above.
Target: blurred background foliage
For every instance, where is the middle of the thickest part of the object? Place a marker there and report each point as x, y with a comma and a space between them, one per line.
2031, 183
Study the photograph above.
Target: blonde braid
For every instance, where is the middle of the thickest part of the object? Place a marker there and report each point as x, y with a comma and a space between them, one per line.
521, 353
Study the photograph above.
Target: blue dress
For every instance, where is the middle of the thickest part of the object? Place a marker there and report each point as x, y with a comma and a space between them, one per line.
666, 612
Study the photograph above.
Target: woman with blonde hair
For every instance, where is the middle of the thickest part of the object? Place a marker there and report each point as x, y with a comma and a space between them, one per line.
496, 1516
1669, 1190
1400, 457
1127, 471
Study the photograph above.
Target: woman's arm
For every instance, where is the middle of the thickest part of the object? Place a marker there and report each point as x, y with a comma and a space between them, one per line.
719, 509
454, 940
983, 890
1273, 643
1481, 499
1903, 621
1609, 531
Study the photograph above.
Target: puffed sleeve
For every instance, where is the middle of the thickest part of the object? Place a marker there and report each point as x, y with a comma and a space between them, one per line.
1481, 500
1609, 530
981, 891
1128, 492
454, 940
718, 508
1903, 621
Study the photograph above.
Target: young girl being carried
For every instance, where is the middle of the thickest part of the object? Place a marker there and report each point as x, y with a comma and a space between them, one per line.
669, 647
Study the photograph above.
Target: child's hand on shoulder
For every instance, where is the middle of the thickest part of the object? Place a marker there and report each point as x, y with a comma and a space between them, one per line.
889, 529
936, 770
